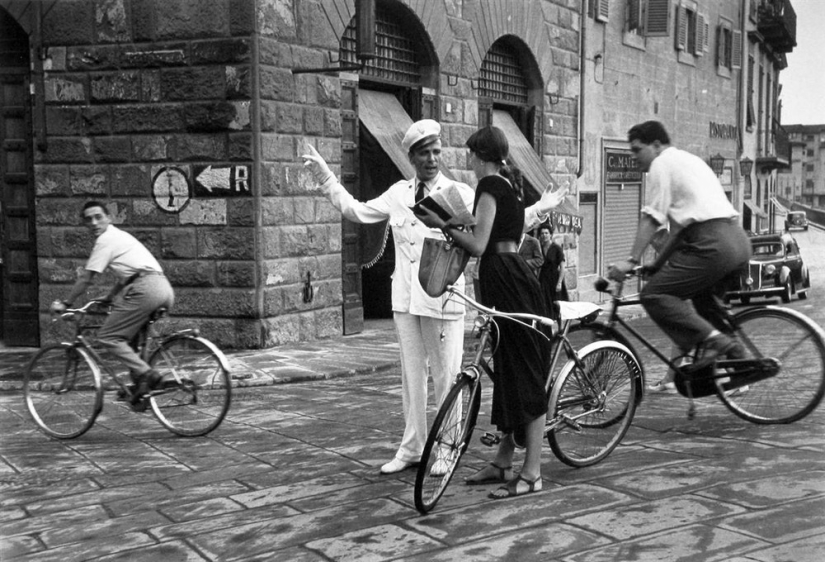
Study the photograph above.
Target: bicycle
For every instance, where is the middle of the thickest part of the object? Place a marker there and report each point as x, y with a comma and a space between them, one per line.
592, 400
64, 391
780, 379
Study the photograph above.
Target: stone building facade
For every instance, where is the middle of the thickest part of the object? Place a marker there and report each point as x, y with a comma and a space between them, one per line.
804, 181
708, 70
188, 117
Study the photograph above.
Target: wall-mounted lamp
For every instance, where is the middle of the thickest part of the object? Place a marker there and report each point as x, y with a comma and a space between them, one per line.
746, 166
717, 164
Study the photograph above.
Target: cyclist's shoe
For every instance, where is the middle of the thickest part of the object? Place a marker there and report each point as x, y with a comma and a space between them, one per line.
662, 387
713, 348
143, 385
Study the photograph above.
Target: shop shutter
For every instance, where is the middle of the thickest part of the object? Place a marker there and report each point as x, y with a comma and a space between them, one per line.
622, 204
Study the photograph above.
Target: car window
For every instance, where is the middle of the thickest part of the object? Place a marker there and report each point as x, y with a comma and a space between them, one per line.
767, 250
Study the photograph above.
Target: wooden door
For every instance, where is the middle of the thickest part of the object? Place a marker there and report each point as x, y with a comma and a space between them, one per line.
19, 294
350, 252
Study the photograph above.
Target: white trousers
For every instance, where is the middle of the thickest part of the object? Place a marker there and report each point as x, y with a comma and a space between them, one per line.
424, 351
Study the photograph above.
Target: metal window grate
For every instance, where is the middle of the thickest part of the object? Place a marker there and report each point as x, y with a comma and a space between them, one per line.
396, 57
502, 77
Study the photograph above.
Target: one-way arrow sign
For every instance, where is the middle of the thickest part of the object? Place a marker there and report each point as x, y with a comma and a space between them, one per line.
222, 181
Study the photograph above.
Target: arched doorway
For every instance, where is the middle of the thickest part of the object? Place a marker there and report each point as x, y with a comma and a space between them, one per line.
18, 250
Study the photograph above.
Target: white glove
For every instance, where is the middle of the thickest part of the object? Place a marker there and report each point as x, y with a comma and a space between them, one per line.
550, 200
315, 163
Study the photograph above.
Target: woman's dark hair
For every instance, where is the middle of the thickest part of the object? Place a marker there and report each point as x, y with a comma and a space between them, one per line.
648, 132
490, 144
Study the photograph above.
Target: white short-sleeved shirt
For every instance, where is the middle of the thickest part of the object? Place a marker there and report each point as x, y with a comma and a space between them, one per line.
682, 189
122, 253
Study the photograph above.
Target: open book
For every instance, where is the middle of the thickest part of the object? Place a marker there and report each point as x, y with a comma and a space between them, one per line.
448, 204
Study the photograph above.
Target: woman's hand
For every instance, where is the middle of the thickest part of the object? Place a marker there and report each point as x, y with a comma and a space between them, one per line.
317, 166
551, 199
428, 217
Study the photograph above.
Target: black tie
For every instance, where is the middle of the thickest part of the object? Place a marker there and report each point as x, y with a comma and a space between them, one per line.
421, 192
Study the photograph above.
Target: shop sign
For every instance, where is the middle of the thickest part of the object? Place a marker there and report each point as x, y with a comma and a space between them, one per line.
621, 167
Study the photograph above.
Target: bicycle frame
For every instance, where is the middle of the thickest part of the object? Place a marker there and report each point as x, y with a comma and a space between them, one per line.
145, 342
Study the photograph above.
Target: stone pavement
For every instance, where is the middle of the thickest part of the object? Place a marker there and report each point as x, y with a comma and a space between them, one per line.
291, 475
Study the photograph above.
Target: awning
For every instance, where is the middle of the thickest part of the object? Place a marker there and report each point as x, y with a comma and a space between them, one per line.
386, 120
755, 209
531, 166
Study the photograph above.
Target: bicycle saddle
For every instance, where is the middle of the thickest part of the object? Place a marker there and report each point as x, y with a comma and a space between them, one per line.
577, 310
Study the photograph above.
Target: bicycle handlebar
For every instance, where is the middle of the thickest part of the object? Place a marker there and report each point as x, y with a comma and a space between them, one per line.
70, 313
516, 316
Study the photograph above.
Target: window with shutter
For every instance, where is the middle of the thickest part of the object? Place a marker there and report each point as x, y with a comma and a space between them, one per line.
634, 15
656, 18
602, 10
681, 28
699, 49
736, 57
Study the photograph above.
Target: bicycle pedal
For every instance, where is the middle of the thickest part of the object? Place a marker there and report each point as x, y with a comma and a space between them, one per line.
490, 439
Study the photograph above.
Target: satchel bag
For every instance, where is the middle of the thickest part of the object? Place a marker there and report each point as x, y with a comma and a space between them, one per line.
442, 263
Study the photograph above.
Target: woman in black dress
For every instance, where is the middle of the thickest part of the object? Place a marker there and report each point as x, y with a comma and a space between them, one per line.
551, 269
508, 284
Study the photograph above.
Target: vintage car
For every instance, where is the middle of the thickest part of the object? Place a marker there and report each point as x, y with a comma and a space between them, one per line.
775, 269
796, 220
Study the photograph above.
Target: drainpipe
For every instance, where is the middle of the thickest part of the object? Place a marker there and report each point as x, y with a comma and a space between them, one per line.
582, 61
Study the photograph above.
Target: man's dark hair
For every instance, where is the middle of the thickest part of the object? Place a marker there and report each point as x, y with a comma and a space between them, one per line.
90, 204
648, 132
545, 226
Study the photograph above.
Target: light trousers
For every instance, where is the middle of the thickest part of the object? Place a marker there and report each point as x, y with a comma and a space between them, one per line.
429, 346
130, 310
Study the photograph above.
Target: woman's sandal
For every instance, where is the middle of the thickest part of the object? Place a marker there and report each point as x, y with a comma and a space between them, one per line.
500, 476
512, 489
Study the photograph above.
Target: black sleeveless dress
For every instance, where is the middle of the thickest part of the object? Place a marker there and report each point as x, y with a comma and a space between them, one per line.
520, 363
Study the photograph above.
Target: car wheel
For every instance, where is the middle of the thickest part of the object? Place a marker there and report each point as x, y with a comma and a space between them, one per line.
745, 300
786, 294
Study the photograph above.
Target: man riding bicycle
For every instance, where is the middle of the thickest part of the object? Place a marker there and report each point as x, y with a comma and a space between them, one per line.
707, 244
142, 283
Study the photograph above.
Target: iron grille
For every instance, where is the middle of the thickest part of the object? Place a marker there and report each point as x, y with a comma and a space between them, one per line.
502, 77
396, 57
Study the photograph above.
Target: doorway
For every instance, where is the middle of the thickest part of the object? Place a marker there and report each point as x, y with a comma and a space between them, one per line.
19, 323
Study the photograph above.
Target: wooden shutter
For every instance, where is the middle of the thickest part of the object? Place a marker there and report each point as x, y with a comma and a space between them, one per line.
622, 204
602, 10
353, 306
736, 51
657, 18
699, 49
681, 28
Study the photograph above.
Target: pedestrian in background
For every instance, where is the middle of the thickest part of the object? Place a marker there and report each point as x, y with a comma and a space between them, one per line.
550, 274
508, 285
530, 250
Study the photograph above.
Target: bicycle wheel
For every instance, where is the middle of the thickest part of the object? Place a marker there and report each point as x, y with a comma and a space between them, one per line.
582, 334
448, 439
196, 389
799, 347
62, 390
592, 403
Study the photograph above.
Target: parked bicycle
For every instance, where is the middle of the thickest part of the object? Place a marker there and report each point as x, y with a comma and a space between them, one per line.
780, 378
64, 389
592, 399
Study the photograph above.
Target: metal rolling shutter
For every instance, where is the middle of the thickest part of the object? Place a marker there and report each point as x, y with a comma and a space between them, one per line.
622, 204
